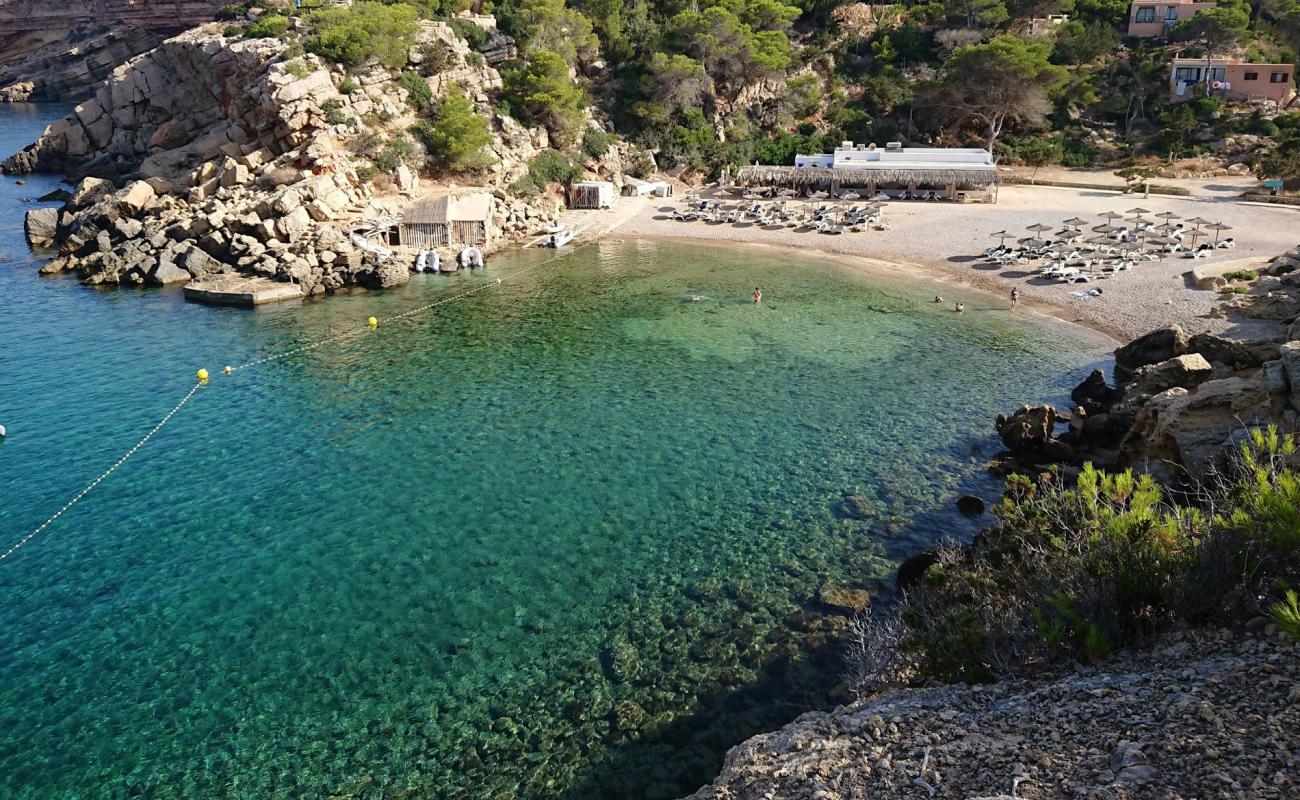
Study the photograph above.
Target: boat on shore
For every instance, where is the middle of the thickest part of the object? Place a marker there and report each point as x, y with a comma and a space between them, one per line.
560, 239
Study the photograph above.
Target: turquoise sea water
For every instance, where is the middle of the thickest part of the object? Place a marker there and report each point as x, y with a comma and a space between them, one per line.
557, 539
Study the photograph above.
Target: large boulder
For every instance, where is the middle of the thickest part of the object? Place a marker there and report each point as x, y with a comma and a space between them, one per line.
137, 197
386, 275
41, 226
89, 191
1152, 348
1179, 434
1221, 350
1187, 371
165, 272
1028, 430
198, 263
1093, 394
1290, 358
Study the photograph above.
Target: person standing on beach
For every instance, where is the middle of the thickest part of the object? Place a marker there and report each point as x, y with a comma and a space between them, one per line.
1015, 297
758, 295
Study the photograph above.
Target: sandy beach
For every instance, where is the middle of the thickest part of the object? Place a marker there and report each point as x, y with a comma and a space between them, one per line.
943, 241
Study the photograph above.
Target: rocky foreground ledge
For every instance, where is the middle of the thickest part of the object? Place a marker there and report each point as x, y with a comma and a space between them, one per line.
1203, 715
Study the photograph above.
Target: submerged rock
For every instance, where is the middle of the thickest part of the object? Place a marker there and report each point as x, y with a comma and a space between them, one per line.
855, 506
970, 505
844, 600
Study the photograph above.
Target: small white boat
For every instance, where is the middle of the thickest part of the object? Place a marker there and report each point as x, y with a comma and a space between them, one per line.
471, 257
560, 239
429, 261
554, 227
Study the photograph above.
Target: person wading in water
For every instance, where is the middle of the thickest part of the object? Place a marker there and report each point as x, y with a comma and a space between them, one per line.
1015, 297
758, 295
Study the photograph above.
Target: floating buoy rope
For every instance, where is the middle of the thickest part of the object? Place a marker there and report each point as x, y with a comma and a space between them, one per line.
372, 323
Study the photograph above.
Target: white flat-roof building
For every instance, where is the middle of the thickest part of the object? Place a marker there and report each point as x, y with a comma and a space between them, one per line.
946, 169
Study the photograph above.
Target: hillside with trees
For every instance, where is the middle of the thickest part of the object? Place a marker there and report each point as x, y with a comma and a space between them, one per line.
704, 84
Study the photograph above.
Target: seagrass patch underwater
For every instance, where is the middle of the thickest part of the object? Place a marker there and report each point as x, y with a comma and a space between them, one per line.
560, 539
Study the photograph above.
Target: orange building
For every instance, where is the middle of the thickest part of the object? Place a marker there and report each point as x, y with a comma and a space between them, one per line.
1147, 20
1231, 79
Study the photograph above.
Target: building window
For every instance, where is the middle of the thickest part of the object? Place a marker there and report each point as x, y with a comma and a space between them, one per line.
1145, 14
1185, 74
1250, 76
1171, 14
1279, 77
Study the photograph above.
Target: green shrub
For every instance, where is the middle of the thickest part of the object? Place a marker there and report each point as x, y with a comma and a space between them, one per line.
456, 138
353, 36
348, 86
475, 60
1286, 614
548, 166
1072, 573
396, 151
298, 68
418, 93
1241, 275
435, 58
232, 31
475, 36
596, 143
366, 173
231, 11
334, 113
268, 27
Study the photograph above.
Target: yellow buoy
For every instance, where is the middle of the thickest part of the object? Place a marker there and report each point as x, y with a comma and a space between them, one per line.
373, 323
229, 370
203, 376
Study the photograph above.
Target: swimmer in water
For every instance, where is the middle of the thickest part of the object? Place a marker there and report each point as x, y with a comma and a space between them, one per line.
960, 307
938, 299
758, 295
695, 298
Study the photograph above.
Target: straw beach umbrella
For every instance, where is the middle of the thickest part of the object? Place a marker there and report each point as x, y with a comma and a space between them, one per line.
1112, 215
1218, 227
1002, 236
1168, 215
1139, 211
1075, 222
1198, 222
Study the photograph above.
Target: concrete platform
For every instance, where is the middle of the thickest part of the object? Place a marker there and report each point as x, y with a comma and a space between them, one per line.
241, 291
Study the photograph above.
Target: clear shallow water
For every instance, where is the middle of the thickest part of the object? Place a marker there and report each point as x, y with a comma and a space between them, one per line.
555, 540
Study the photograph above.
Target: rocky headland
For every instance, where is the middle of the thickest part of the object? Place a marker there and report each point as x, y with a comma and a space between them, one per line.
215, 155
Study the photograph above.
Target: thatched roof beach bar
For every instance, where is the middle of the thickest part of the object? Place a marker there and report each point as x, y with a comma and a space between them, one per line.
911, 170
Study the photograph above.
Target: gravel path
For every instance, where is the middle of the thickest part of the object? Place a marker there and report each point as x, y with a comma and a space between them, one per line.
943, 240
1205, 715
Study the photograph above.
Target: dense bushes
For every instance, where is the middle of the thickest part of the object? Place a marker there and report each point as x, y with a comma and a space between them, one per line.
1075, 573
549, 166
352, 36
541, 92
456, 138
418, 93
268, 26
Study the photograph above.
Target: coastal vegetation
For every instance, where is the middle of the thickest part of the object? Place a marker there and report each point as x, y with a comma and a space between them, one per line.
1072, 573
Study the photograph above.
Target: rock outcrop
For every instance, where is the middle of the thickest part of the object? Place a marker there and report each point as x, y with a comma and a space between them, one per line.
67, 65
1180, 404
1201, 715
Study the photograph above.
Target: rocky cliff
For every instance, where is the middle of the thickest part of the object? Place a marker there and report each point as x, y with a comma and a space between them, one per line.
212, 155
158, 16
58, 52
